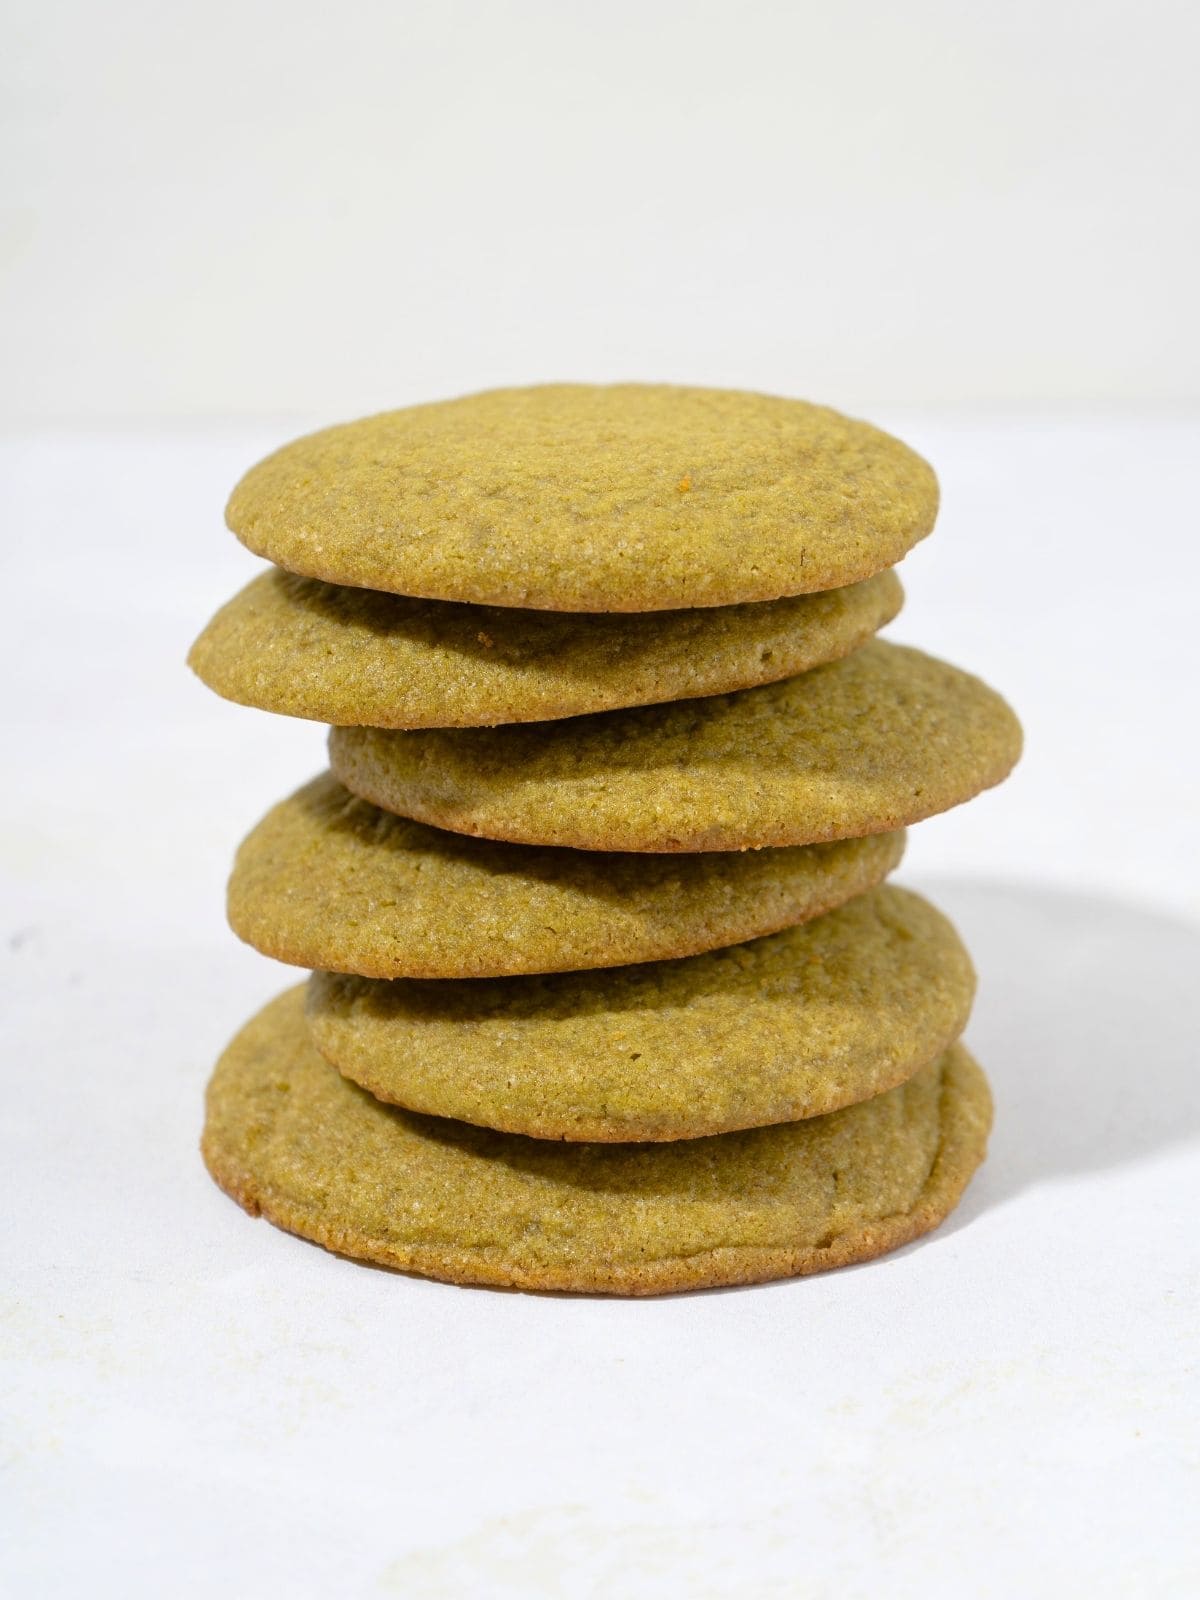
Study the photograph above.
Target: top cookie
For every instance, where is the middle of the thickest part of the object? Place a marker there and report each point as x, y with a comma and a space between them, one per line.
571, 497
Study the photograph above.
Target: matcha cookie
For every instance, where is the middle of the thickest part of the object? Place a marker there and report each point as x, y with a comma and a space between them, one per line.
882, 738
570, 497
327, 880
290, 1139
785, 1027
356, 656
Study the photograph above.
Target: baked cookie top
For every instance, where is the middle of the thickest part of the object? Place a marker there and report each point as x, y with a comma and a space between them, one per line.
327, 880
289, 1138
576, 497
785, 1027
870, 743
358, 656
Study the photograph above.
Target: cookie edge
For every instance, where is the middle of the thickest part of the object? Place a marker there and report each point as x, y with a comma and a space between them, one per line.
965, 1109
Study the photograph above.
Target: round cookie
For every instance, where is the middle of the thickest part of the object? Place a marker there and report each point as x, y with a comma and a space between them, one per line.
327, 880
574, 497
790, 1026
357, 656
870, 743
291, 1140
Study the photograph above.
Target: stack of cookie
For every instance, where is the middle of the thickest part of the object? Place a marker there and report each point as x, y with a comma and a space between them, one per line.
608, 991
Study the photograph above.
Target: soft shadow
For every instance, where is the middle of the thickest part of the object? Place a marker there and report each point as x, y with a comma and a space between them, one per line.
1088, 1025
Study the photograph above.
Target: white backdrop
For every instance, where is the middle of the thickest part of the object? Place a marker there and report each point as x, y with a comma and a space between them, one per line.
224, 221
216, 206
194, 1404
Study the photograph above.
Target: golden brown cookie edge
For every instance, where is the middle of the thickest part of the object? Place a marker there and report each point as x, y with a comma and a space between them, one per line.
252, 514
880, 608
262, 932
965, 1108
599, 1130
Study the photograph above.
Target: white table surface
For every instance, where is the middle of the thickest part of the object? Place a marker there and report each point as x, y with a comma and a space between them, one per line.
196, 1404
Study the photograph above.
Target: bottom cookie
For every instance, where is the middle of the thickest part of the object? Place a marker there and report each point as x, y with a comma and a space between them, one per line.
292, 1140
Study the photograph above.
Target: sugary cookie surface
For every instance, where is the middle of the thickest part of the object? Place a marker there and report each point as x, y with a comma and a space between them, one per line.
875, 741
360, 657
789, 1026
289, 1138
327, 880
575, 497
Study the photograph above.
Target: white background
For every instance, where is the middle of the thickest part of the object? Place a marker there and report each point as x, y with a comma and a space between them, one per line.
279, 205
975, 224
